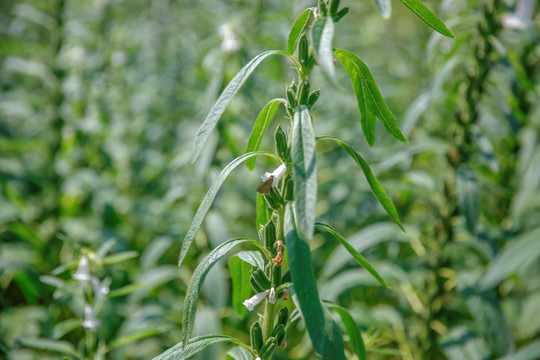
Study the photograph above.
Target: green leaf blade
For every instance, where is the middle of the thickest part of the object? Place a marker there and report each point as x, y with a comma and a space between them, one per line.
359, 258
194, 287
376, 187
241, 289
259, 128
325, 336
304, 171
428, 17
195, 345
468, 196
355, 337
296, 30
322, 33
209, 199
384, 7
224, 99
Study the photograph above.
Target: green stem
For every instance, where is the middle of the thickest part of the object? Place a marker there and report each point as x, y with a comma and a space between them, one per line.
268, 322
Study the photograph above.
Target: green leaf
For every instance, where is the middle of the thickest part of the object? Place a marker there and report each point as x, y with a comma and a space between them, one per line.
427, 16
263, 212
225, 98
324, 334
528, 352
261, 124
304, 171
195, 345
384, 7
297, 29
65, 327
322, 33
355, 338
238, 353
376, 187
194, 287
209, 199
241, 290
359, 258
468, 197
254, 258
129, 338
370, 100
515, 256
119, 257
62, 347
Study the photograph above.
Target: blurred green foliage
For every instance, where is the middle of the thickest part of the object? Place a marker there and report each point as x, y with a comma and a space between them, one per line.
99, 104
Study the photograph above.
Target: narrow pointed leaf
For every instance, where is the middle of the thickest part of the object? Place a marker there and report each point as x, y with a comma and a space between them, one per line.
468, 197
241, 290
355, 337
324, 334
359, 258
304, 171
376, 187
225, 98
263, 212
209, 199
139, 335
427, 16
369, 96
194, 287
261, 124
322, 33
384, 7
59, 346
296, 30
195, 345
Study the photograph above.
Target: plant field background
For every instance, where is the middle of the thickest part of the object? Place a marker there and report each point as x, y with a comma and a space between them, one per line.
99, 105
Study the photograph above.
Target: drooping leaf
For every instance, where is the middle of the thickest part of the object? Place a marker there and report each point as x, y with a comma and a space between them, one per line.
59, 346
516, 255
355, 337
376, 187
225, 98
261, 124
209, 199
296, 30
324, 334
359, 258
241, 290
427, 16
322, 33
468, 197
370, 100
384, 7
195, 345
194, 287
304, 171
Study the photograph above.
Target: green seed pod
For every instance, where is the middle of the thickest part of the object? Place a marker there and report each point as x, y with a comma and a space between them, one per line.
293, 86
288, 192
279, 333
322, 7
271, 201
313, 98
269, 234
303, 48
280, 293
341, 13
276, 274
255, 285
256, 334
303, 92
268, 348
261, 278
283, 316
276, 198
291, 97
286, 277
310, 62
334, 6
281, 142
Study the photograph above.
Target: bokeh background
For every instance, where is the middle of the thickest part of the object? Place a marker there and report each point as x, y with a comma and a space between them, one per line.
99, 104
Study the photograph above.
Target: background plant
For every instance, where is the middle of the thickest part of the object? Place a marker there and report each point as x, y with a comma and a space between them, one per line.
139, 77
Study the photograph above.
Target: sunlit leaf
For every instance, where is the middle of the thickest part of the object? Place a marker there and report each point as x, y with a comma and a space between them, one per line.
322, 33
259, 129
427, 16
304, 171
297, 28
376, 187
324, 334
241, 290
195, 345
209, 199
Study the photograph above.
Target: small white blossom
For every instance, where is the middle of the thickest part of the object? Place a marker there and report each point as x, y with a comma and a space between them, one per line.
258, 358
100, 289
272, 296
277, 174
229, 43
83, 270
255, 300
521, 19
90, 320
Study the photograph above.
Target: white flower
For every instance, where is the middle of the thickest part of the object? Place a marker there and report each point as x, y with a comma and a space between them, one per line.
229, 43
258, 358
255, 300
100, 289
83, 270
90, 321
521, 19
272, 296
277, 174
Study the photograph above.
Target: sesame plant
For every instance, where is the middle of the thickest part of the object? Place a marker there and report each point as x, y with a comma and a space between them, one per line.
273, 276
